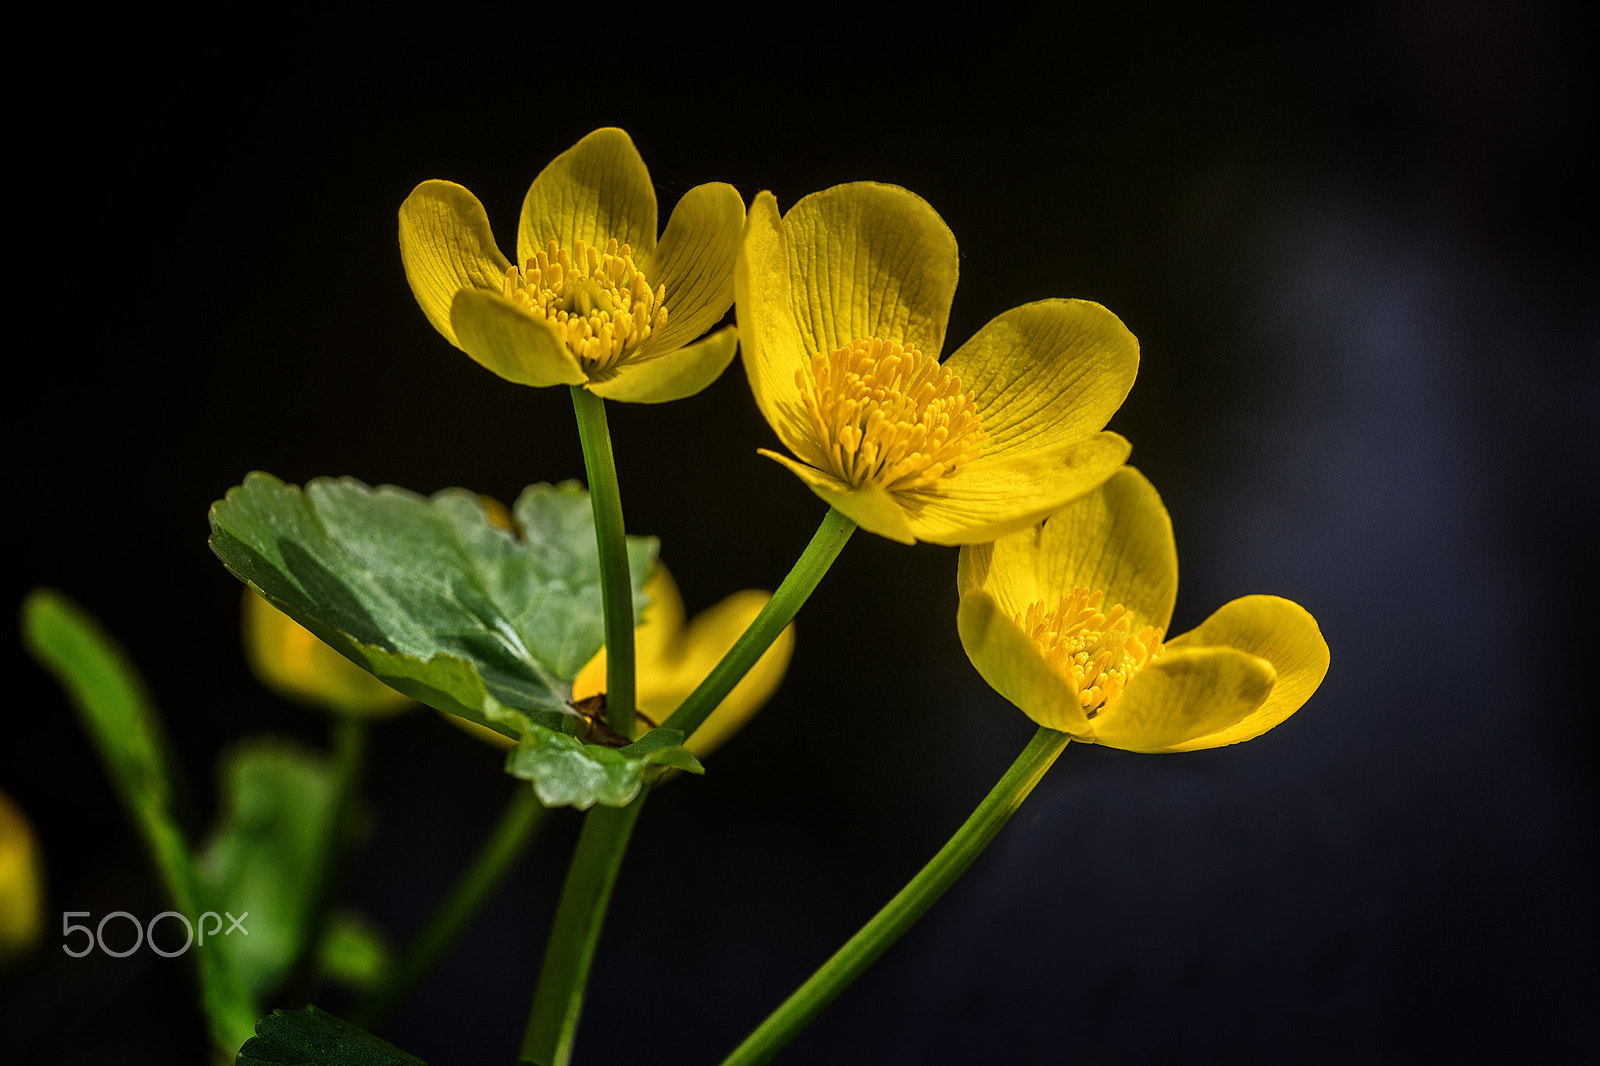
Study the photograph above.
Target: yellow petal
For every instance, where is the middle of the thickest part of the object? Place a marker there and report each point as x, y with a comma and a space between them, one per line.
694, 261
770, 345
1273, 629
994, 496
869, 260
1186, 694
671, 661
659, 631
1046, 374
1116, 540
869, 506
1012, 664
292, 661
597, 190
446, 246
675, 375
502, 337
710, 636
21, 883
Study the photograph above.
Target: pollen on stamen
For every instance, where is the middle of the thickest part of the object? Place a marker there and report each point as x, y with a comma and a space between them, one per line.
1096, 649
599, 302
887, 414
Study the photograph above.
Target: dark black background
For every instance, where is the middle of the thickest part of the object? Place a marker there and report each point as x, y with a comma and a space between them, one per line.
1358, 252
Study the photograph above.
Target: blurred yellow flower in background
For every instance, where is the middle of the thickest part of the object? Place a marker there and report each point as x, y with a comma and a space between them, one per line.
671, 658
1065, 620
295, 663
843, 304
21, 883
593, 299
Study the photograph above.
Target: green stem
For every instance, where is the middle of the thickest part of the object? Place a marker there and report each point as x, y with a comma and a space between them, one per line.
558, 998
347, 763
507, 843
615, 588
808, 570
850, 961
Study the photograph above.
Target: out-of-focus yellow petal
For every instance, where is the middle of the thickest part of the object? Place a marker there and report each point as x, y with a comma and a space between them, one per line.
675, 375
771, 347
1278, 631
711, 634
994, 496
21, 883
694, 261
671, 661
596, 190
1185, 694
514, 344
868, 506
1046, 374
446, 246
1013, 666
292, 661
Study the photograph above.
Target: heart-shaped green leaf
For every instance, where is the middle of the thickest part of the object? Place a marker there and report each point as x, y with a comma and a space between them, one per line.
454, 610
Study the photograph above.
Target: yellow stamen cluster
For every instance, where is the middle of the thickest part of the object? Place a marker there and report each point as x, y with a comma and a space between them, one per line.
888, 414
599, 302
1097, 650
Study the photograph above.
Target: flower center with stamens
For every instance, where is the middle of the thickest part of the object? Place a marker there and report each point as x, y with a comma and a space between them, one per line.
599, 302
890, 415
1096, 649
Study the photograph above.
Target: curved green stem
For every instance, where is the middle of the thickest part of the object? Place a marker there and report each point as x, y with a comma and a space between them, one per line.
564, 975
507, 843
850, 961
615, 588
825, 546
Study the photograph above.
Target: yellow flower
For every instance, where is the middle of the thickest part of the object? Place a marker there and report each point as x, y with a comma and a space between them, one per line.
671, 659
1065, 620
21, 883
295, 663
843, 303
593, 299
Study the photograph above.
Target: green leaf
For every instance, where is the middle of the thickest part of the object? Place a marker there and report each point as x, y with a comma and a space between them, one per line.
438, 601
567, 772
116, 712
313, 1037
278, 802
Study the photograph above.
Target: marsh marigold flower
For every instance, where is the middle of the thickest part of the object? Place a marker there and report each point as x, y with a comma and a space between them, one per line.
294, 662
593, 298
1066, 619
842, 306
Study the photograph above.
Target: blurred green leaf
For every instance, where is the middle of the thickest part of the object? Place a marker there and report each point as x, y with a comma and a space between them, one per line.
313, 1037
122, 723
278, 801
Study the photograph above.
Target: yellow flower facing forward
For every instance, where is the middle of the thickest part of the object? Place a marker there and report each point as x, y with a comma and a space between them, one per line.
593, 298
671, 658
294, 662
842, 305
1065, 619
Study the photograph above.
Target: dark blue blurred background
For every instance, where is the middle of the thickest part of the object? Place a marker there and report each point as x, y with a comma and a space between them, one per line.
1358, 251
